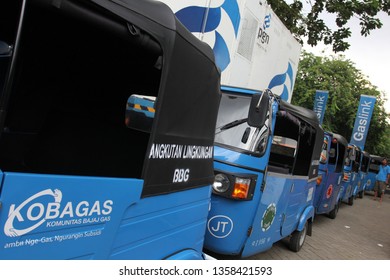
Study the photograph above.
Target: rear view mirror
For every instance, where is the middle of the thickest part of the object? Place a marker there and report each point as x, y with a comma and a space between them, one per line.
258, 109
353, 155
5, 49
140, 111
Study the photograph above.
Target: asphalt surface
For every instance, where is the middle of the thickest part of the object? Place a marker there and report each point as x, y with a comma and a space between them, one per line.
359, 232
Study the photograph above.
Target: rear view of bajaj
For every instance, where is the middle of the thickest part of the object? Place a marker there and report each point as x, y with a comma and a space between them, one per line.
266, 164
327, 194
373, 169
351, 172
363, 175
107, 132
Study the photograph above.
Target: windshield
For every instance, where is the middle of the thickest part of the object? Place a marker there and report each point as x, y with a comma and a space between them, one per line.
348, 160
232, 128
374, 165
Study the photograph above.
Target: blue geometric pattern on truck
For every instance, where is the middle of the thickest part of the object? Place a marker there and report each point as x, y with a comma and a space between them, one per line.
280, 79
192, 18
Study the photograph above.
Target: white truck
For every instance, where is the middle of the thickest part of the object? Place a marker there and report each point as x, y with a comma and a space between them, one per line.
252, 47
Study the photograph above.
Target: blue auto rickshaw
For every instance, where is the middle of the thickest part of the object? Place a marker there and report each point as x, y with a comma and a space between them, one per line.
363, 173
327, 194
266, 162
107, 132
373, 169
350, 174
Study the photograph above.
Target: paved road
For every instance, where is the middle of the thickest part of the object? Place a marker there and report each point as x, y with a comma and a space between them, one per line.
359, 232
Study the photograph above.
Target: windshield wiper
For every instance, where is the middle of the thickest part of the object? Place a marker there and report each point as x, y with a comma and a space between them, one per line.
233, 124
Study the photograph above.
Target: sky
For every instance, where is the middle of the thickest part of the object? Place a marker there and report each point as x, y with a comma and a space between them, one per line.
371, 54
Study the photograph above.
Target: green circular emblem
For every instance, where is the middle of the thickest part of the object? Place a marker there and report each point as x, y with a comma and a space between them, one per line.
268, 217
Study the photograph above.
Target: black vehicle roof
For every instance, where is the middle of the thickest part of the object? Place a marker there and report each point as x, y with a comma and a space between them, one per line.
303, 113
366, 154
341, 139
377, 158
190, 82
188, 90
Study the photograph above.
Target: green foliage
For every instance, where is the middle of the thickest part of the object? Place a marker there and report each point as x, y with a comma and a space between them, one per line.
345, 84
312, 27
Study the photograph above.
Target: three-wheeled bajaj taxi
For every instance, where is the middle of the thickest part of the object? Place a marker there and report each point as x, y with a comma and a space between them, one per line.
327, 194
351, 172
266, 165
363, 172
373, 169
86, 173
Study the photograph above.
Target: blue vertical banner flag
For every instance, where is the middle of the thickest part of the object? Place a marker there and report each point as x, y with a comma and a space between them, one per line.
362, 121
320, 104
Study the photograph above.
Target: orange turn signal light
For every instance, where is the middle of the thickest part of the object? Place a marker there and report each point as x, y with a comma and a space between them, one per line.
319, 180
346, 176
241, 188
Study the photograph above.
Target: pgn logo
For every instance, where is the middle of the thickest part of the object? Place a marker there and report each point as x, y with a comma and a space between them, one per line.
181, 175
220, 226
262, 35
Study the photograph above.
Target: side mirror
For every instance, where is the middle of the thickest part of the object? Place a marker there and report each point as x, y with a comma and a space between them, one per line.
258, 109
140, 111
353, 155
5, 49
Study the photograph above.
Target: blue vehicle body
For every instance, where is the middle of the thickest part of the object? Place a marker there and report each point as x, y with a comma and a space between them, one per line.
327, 194
64, 217
265, 174
363, 174
88, 172
373, 169
351, 174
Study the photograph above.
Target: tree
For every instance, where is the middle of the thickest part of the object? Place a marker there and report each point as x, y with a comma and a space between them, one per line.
312, 27
345, 84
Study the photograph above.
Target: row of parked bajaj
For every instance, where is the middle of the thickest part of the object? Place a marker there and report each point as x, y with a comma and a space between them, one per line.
275, 169
302, 171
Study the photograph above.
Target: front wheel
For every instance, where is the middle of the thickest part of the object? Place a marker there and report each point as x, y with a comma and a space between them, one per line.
361, 194
350, 200
298, 239
332, 214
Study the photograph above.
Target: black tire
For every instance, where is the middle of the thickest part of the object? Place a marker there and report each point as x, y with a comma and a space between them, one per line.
361, 194
350, 200
298, 239
332, 214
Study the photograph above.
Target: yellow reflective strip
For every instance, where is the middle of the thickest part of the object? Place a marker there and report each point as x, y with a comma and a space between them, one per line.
151, 109
137, 106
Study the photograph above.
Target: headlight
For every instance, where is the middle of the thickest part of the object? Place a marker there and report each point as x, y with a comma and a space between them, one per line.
221, 183
237, 186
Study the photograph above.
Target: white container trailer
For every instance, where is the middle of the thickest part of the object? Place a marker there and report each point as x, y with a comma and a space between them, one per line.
252, 46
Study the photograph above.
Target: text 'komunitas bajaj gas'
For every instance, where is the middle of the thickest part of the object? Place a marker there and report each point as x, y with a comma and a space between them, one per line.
351, 174
327, 194
266, 165
107, 130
